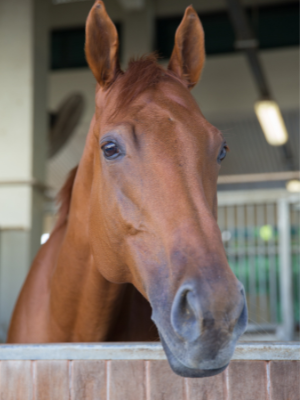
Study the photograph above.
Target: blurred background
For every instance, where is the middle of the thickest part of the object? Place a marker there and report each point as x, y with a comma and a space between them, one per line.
249, 89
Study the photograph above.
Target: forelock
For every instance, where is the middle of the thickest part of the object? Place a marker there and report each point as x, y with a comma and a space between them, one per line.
141, 75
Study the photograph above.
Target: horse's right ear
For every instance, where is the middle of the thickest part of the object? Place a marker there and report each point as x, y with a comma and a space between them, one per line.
101, 45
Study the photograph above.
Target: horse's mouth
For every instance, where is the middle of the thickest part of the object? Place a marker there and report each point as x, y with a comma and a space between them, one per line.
180, 369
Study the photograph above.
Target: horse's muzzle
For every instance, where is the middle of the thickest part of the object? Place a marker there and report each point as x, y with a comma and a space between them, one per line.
201, 338
191, 316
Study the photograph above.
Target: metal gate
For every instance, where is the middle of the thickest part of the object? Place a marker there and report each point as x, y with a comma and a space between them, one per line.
260, 232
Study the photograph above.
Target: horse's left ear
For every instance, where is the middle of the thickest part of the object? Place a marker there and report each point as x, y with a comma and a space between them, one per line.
101, 45
188, 55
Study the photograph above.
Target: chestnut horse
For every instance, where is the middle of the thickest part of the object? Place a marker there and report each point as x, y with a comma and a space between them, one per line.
136, 254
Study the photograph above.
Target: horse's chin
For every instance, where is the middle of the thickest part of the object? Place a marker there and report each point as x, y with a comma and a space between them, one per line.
186, 372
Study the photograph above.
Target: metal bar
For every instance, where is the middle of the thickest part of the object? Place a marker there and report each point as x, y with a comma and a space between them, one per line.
33, 183
288, 157
247, 42
261, 328
241, 244
239, 20
252, 298
295, 259
230, 197
286, 287
244, 34
230, 248
138, 351
261, 251
273, 299
223, 179
264, 177
258, 72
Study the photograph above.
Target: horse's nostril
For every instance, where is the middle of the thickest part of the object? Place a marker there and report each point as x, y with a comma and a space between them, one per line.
191, 317
186, 314
241, 324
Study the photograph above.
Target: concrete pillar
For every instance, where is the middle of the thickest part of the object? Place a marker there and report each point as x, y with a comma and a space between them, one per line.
138, 31
23, 129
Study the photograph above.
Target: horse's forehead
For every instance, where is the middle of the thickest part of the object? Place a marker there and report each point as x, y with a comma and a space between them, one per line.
174, 92
168, 96
163, 93
174, 107
161, 106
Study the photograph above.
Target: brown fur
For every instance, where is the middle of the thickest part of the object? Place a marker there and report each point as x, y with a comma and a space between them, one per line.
64, 198
142, 74
137, 239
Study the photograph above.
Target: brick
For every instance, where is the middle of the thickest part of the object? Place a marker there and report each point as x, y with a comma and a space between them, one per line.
88, 380
164, 383
211, 388
126, 380
247, 380
16, 380
285, 380
51, 380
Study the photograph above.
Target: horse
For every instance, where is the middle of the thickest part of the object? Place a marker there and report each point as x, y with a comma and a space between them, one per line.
136, 253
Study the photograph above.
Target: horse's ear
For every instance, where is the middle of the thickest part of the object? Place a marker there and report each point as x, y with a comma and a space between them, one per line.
101, 45
188, 55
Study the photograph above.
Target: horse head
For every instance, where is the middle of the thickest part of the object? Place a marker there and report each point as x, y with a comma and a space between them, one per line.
153, 213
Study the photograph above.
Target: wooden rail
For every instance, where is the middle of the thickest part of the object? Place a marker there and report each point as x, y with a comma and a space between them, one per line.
139, 371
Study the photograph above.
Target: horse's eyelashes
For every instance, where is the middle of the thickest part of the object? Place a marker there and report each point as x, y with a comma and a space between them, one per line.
110, 150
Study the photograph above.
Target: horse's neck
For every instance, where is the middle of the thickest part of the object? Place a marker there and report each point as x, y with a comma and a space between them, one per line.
82, 301
84, 305
65, 298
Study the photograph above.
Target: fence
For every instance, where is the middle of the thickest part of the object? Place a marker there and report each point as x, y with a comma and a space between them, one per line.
140, 372
261, 233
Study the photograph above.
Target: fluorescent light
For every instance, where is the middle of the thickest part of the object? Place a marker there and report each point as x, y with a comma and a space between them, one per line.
293, 185
271, 122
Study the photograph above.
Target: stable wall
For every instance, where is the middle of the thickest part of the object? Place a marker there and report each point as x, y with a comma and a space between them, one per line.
139, 371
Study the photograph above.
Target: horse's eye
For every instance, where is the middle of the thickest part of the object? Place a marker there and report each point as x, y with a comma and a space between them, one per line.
222, 153
110, 150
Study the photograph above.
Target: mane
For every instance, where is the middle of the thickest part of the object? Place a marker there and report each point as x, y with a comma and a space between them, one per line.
64, 198
141, 74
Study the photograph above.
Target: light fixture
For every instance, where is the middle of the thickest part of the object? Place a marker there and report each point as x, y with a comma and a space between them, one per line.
293, 185
271, 122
